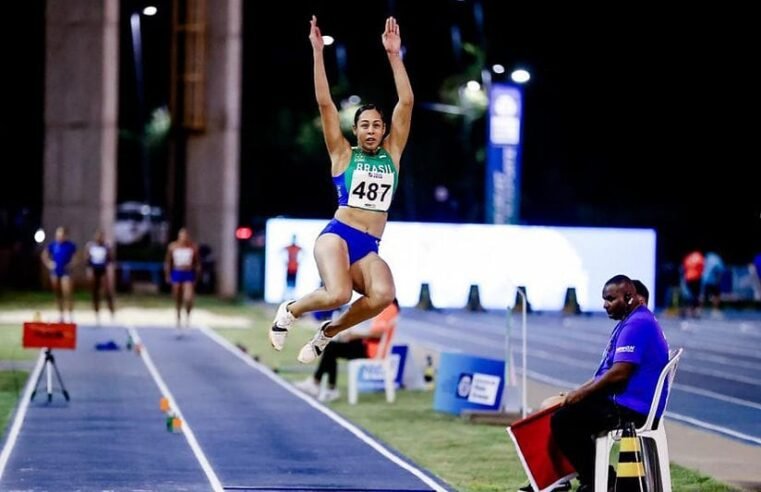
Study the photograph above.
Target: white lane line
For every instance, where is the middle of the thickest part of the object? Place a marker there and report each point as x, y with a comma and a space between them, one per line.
323, 409
675, 416
543, 354
18, 419
216, 485
717, 396
573, 362
542, 378
715, 428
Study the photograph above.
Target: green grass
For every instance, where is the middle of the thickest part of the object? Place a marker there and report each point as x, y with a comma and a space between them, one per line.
683, 479
10, 345
11, 386
469, 457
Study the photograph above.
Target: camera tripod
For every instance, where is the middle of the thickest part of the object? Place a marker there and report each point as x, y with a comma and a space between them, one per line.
48, 370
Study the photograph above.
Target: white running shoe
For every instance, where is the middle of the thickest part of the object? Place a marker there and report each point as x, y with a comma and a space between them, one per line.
280, 325
308, 386
316, 345
330, 395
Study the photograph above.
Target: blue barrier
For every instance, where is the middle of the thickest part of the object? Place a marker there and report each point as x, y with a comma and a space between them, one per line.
465, 382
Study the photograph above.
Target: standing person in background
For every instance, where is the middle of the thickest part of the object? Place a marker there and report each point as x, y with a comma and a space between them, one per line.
713, 272
755, 272
293, 254
366, 177
100, 271
692, 274
58, 257
182, 267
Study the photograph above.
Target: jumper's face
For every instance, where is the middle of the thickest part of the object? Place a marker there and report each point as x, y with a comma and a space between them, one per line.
370, 130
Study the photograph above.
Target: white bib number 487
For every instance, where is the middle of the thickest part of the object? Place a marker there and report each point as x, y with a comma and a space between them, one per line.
371, 190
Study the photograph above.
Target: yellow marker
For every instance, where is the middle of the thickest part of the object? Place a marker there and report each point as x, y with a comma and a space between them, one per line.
176, 424
630, 473
164, 404
630, 470
630, 445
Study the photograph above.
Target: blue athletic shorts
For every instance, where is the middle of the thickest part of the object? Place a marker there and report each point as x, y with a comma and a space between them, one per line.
360, 243
180, 276
60, 272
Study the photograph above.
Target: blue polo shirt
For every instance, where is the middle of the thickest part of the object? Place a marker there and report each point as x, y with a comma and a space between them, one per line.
638, 340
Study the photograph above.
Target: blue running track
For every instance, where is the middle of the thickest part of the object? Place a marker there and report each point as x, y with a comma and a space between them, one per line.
244, 428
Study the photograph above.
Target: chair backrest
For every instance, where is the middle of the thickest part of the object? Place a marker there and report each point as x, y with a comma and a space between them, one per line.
667, 374
384, 346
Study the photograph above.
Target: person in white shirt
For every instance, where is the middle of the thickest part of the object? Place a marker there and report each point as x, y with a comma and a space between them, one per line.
182, 267
100, 260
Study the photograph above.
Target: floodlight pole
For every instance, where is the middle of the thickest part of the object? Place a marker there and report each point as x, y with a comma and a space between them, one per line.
137, 53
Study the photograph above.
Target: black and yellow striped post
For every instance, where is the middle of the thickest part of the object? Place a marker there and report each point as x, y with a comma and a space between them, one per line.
630, 474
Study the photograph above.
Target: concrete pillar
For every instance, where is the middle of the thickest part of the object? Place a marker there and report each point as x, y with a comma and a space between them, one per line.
81, 95
213, 156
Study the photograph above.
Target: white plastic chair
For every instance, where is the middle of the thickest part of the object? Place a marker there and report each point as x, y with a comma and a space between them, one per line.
381, 362
605, 443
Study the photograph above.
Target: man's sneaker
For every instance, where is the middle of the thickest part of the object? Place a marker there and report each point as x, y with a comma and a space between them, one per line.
316, 345
330, 395
308, 386
280, 325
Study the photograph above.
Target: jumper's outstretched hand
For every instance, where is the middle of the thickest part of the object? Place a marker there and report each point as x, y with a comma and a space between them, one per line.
392, 41
315, 37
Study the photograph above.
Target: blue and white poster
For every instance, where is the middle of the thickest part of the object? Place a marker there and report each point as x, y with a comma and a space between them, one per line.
503, 170
465, 382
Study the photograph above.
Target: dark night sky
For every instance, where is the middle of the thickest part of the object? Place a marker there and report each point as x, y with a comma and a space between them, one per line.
632, 118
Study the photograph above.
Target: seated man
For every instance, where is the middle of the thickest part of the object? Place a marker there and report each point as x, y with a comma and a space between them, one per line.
353, 346
622, 387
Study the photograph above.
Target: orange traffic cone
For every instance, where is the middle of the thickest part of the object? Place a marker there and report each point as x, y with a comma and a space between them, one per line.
630, 474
